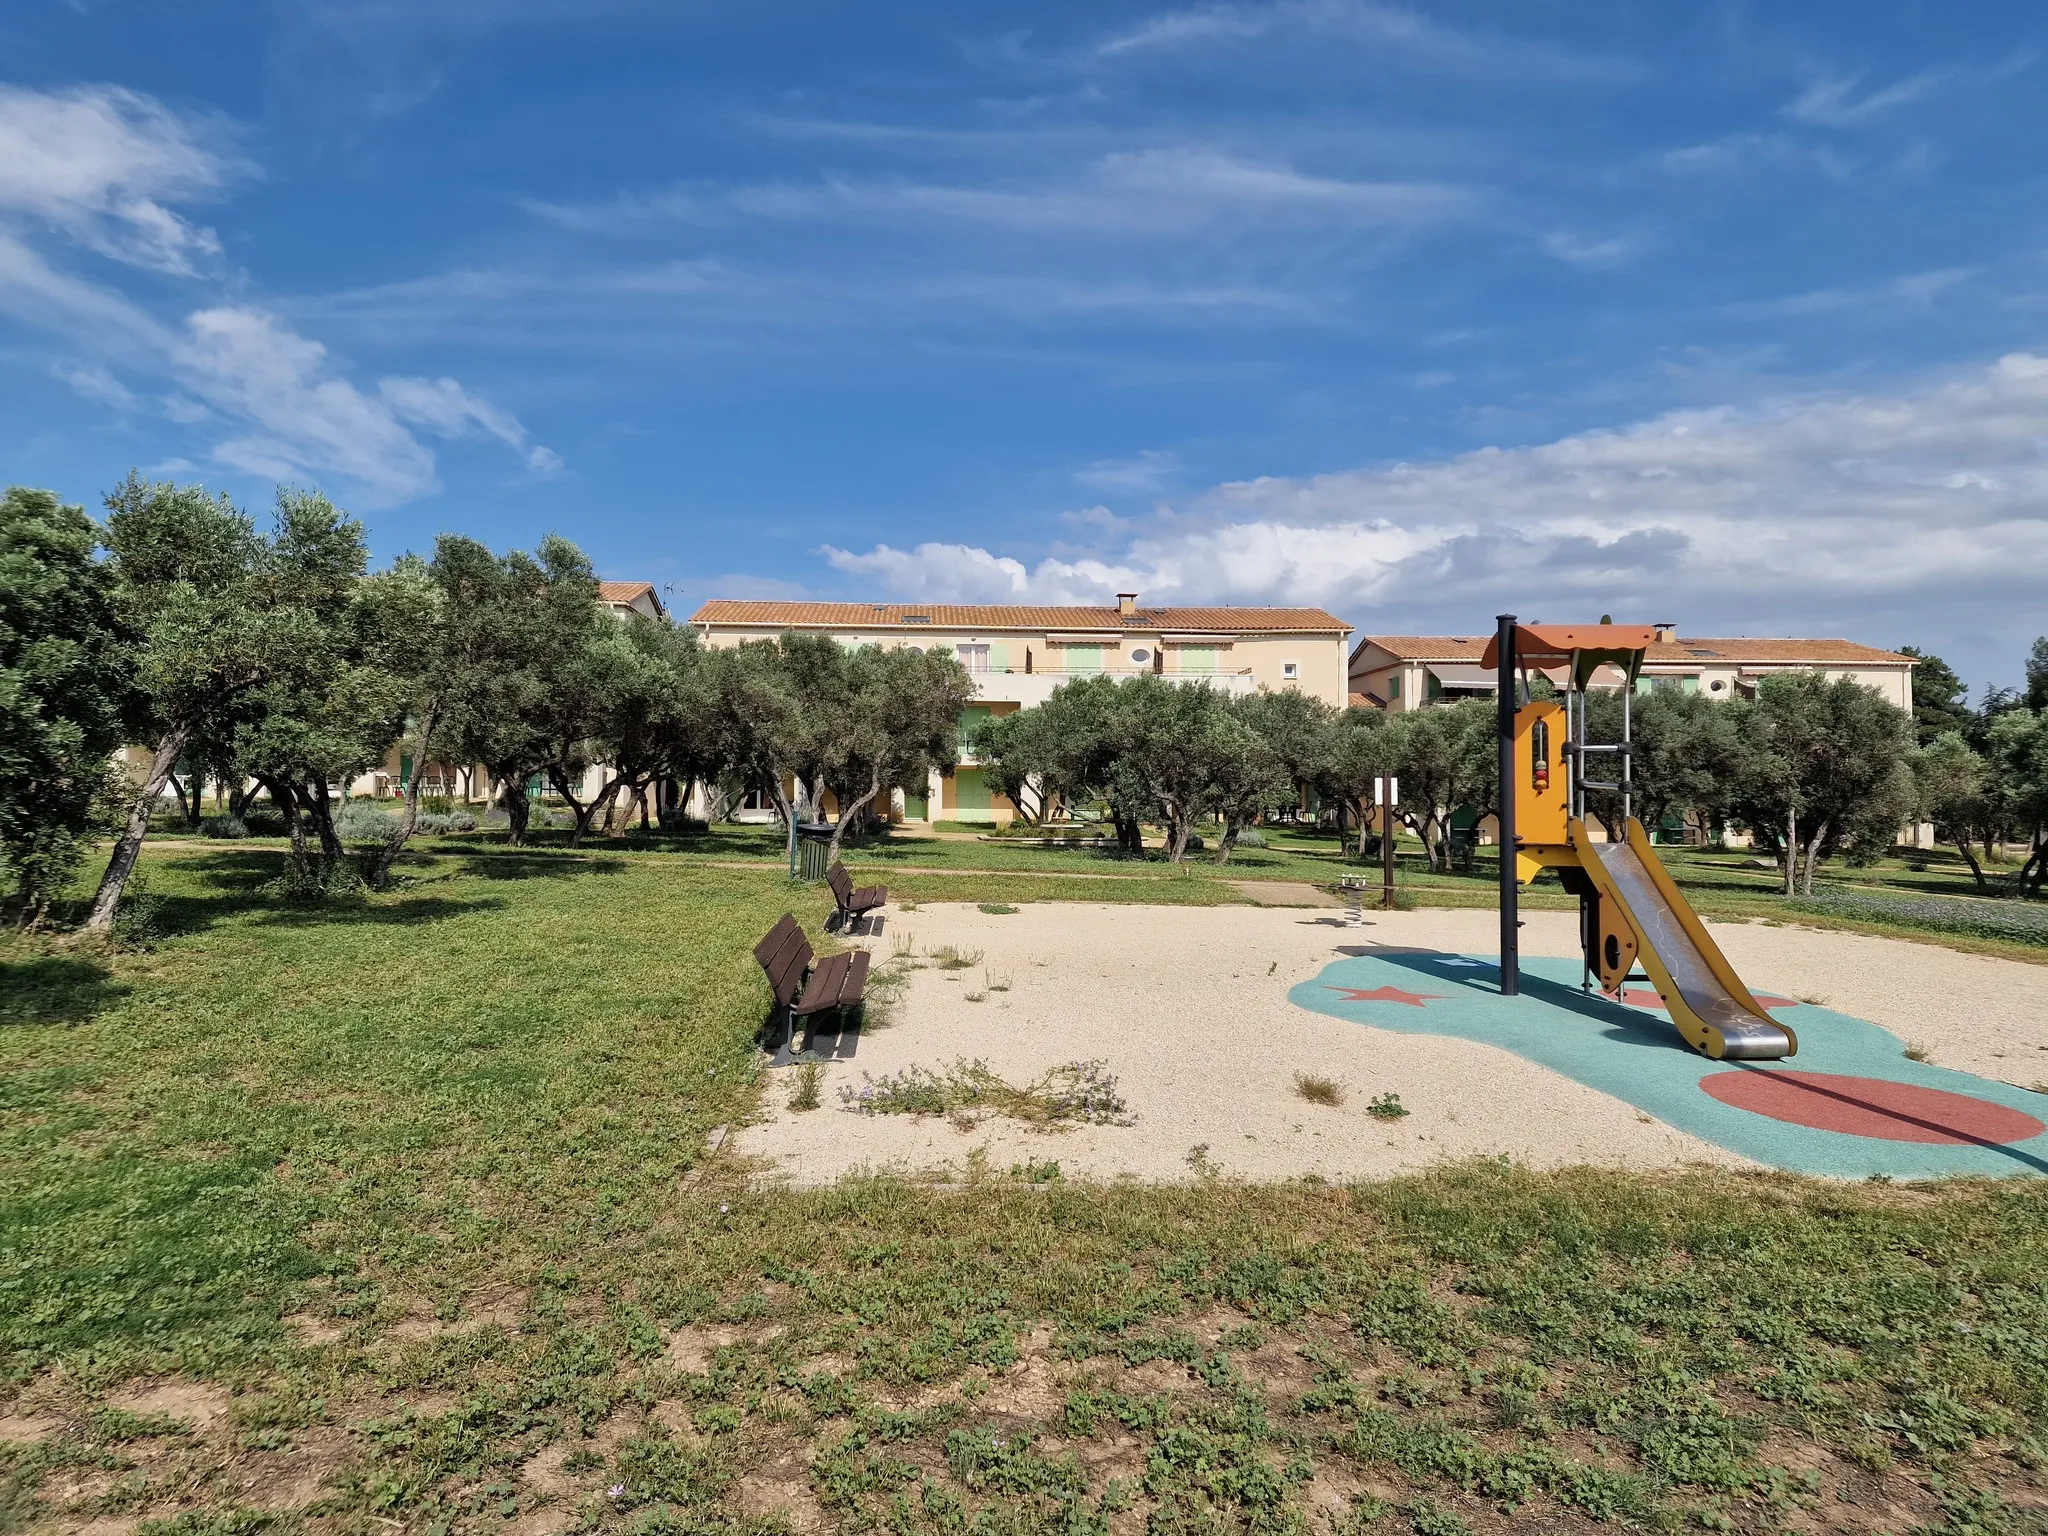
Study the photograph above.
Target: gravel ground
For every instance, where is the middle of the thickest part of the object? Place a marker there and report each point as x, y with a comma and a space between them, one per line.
1188, 1009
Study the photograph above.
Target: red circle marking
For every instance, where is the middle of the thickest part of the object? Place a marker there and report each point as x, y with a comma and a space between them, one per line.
1871, 1106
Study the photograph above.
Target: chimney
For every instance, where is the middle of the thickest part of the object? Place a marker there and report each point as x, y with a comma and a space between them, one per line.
1667, 633
1127, 603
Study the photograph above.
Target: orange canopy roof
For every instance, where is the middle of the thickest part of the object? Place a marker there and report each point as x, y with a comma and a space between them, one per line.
1552, 645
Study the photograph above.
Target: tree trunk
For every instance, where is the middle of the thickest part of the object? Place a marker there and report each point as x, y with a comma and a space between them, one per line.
1970, 858
847, 813
1812, 859
379, 872
2028, 881
1227, 844
583, 813
1791, 852
286, 799
322, 813
518, 809
107, 900
240, 801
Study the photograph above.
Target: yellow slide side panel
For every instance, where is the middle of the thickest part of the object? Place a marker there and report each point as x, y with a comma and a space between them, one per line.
1689, 920
1614, 910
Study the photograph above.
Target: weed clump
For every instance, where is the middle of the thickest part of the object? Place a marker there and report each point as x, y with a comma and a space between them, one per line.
1319, 1090
997, 908
1387, 1106
1079, 1093
804, 1087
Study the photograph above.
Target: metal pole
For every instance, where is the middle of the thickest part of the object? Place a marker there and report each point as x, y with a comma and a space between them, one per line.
1510, 891
1387, 841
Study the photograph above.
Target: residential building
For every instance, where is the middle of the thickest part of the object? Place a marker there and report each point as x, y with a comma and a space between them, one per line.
1401, 672
1017, 655
624, 597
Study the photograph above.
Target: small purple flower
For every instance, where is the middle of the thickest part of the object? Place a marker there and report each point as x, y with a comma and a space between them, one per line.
617, 1490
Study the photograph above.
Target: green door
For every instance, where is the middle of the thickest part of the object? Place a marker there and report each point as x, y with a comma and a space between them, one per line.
916, 807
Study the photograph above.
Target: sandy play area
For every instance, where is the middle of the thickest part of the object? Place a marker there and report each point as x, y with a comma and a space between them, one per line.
1189, 1009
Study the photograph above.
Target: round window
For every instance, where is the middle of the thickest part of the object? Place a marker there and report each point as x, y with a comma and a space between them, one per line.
1140, 655
1717, 685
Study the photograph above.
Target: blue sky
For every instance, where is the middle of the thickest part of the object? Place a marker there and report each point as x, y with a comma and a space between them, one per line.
1735, 315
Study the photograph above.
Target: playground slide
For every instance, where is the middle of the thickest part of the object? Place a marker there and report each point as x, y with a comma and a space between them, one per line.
1709, 1004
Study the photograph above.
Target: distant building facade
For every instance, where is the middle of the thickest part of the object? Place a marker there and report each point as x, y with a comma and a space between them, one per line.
1018, 654
1402, 672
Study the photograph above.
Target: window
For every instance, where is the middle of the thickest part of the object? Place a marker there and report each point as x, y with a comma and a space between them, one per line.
917, 618
1290, 671
1394, 685
1140, 655
974, 657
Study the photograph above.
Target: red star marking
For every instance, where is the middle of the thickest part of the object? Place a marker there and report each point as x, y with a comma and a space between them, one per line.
1387, 995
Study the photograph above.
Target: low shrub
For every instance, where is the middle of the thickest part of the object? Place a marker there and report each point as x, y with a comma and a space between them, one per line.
223, 826
363, 821
2016, 922
444, 821
1251, 837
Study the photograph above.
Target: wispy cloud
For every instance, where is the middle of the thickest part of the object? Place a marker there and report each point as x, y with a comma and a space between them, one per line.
1168, 190
1913, 290
103, 164
1832, 101
95, 381
103, 170
1143, 474
1397, 33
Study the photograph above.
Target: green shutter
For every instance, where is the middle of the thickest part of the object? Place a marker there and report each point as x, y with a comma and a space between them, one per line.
998, 656
970, 790
404, 771
1197, 658
1083, 658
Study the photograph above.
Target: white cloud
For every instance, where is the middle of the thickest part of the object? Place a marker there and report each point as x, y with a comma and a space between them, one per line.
102, 163
1832, 102
100, 167
1817, 505
95, 381
251, 367
305, 419
1143, 474
1163, 190
1394, 32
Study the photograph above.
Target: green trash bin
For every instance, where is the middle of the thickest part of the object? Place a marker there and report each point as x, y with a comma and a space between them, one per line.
813, 849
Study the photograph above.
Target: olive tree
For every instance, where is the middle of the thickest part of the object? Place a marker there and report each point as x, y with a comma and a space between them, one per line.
64, 695
217, 610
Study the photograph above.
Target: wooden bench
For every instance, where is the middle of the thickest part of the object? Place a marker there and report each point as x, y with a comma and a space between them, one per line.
853, 903
803, 990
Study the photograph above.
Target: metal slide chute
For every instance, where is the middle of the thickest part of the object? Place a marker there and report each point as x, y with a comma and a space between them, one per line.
1709, 1005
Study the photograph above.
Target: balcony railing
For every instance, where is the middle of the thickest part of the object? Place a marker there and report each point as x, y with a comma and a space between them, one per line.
1065, 672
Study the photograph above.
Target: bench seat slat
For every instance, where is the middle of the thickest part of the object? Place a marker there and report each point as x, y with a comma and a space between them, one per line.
824, 987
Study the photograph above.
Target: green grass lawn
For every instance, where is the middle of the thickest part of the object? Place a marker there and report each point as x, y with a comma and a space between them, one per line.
398, 1213
1921, 895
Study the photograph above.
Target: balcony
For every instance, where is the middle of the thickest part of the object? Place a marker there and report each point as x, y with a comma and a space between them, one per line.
1013, 685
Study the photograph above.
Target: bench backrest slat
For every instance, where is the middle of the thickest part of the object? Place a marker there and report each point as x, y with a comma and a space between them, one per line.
840, 881
785, 954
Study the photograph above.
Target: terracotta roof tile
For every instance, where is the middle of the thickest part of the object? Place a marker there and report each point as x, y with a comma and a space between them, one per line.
623, 591
1430, 647
976, 617
1677, 651
1782, 652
